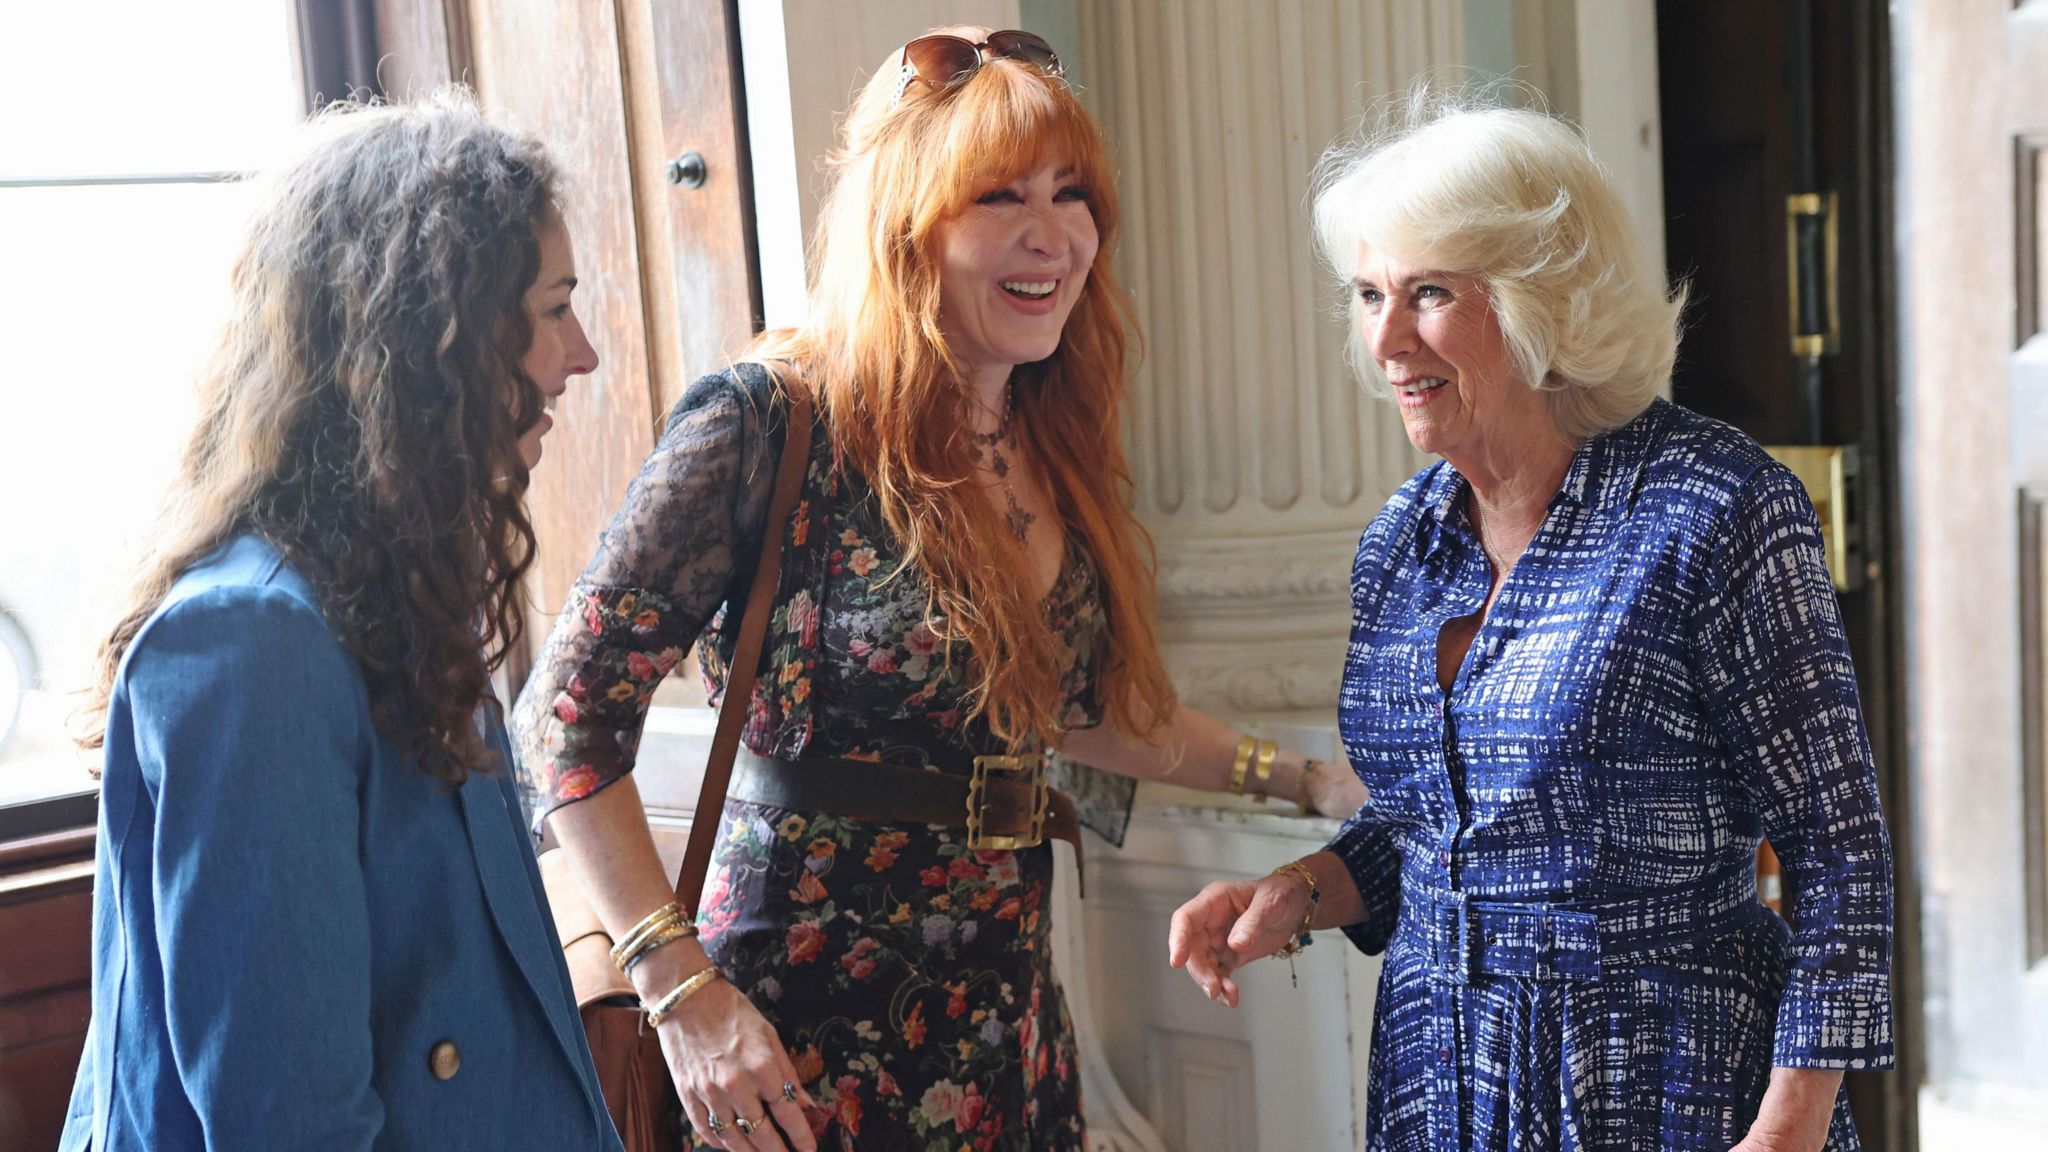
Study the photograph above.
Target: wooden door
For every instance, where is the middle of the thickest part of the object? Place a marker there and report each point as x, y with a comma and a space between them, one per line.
557, 70
620, 91
694, 192
1763, 100
640, 101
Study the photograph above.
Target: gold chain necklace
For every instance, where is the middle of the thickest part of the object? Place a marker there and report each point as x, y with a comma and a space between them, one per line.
1501, 566
1005, 435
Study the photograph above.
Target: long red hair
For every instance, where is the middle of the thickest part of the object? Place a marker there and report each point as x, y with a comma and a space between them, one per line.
896, 399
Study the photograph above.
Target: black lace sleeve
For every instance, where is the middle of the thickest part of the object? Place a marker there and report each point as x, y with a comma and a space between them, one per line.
688, 530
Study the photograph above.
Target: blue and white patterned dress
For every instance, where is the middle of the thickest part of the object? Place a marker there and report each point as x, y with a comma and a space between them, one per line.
1558, 855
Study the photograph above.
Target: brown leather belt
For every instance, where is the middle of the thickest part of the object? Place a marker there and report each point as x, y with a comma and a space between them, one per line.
1003, 803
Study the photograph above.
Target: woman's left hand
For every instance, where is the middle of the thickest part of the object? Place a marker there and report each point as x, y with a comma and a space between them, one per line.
1795, 1112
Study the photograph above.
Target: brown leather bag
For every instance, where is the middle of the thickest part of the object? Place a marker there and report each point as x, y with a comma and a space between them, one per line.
630, 1068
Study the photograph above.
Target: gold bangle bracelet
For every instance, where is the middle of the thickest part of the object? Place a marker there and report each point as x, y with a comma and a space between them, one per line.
635, 940
626, 957
1301, 938
1245, 746
677, 930
631, 944
648, 921
682, 992
1267, 751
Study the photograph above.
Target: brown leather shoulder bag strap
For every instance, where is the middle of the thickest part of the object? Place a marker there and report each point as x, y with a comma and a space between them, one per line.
746, 658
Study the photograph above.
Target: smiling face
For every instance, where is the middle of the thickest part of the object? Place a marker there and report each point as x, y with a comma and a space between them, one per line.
1011, 267
1436, 337
560, 349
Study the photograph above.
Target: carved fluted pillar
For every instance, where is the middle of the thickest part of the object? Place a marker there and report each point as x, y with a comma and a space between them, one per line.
1258, 460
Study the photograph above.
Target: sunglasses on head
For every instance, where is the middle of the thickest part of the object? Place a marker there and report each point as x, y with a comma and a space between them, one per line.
942, 61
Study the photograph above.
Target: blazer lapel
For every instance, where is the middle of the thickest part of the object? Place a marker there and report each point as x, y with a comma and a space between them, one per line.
511, 889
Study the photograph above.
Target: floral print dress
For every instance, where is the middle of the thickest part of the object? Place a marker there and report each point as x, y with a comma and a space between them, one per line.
908, 976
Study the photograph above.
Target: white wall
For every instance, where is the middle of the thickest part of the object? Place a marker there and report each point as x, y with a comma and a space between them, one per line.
1595, 62
1986, 1019
1618, 108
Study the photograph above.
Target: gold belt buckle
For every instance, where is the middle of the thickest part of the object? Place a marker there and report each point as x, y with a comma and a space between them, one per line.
1033, 770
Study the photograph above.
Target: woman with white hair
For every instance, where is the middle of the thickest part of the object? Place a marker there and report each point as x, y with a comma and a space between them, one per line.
1595, 656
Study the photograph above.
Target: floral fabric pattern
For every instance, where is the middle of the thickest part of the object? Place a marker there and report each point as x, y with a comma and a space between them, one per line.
909, 977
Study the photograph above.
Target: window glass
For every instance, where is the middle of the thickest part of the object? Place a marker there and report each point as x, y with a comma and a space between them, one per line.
111, 296
126, 87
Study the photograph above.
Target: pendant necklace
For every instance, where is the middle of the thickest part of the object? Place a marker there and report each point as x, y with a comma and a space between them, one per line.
1005, 436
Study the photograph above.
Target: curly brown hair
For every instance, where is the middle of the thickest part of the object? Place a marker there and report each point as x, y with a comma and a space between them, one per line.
363, 409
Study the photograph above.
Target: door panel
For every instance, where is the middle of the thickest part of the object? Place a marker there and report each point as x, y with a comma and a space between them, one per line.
703, 290
670, 287
1762, 100
555, 69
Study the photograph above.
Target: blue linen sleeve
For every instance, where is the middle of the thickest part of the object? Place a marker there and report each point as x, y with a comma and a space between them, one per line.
252, 727
1779, 687
1364, 843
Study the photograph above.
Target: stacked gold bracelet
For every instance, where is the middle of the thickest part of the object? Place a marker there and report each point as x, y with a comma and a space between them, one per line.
664, 924
1245, 746
659, 1010
1252, 750
1264, 770
1301, 938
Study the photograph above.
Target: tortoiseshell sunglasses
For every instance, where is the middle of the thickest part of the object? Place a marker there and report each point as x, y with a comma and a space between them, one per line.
943, 60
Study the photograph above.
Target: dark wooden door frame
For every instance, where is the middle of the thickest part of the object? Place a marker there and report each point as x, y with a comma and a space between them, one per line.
1897, 1097
1830, 63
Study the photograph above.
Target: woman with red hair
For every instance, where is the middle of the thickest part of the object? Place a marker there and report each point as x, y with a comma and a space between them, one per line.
963, 588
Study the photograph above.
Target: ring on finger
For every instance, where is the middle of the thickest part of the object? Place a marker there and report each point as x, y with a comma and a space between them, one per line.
745, 1125
789, 1091
716, 1125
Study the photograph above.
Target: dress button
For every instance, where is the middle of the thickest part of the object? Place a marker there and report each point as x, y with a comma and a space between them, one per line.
445, 1060
1444, 1054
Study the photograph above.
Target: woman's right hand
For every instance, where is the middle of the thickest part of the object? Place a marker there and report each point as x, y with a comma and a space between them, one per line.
728, 1061
1230, 924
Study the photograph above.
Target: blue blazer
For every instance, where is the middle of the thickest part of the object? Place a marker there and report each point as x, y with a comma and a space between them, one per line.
301, 940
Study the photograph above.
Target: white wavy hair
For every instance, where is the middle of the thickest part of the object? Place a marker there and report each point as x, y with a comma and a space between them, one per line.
1458, 183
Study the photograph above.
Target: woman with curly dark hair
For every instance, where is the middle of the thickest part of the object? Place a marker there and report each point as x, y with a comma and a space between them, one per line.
317, 923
